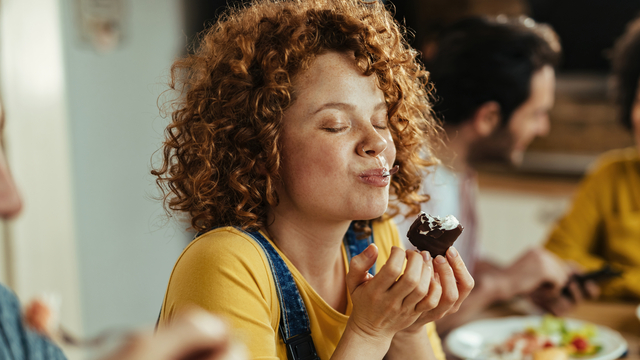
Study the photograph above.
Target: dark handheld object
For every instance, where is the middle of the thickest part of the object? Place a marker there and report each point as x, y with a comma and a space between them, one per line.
598, 276
429, 236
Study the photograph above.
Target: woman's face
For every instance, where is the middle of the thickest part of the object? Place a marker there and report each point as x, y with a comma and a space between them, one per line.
336, 145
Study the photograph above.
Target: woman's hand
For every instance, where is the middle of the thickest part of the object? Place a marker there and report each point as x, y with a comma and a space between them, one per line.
454, 280
392, 300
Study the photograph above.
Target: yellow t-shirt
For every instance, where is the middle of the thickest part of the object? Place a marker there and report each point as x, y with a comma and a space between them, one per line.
225, 272
603, 224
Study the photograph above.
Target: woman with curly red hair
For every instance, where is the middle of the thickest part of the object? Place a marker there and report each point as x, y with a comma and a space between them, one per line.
296, 120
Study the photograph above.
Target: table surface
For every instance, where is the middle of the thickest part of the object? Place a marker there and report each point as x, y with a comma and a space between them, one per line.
617, 316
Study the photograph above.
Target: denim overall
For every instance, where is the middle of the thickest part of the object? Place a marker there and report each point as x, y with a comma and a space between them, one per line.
294, 321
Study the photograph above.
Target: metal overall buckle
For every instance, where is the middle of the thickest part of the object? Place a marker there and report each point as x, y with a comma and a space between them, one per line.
301, 347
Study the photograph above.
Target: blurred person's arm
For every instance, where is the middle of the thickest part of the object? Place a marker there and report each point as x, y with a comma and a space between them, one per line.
603, 224
575, 236
493, 284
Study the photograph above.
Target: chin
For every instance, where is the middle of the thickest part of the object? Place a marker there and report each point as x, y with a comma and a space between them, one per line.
375, 212
370, 210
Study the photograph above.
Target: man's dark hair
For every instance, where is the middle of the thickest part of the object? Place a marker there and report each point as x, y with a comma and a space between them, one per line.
481, 59
626, 70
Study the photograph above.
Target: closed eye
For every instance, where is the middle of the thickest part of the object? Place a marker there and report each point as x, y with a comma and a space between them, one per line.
382, 124
335, 129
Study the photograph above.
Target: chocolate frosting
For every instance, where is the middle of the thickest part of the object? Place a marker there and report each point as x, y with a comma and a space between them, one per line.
433, 239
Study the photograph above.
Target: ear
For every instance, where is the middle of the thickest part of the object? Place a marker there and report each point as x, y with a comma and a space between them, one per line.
486, 118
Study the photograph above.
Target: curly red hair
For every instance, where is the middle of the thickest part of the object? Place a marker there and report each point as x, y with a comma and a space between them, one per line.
221, 157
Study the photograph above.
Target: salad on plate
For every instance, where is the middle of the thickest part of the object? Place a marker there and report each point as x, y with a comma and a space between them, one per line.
534, 338
552, 339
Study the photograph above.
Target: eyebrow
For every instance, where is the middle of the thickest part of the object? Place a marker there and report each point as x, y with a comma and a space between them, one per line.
347, 106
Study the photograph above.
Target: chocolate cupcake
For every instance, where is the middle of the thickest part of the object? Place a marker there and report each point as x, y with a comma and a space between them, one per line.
435, 235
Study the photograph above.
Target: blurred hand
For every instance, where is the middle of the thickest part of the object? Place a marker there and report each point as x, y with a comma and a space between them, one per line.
537, 267
559, 304
41, 315
194, 335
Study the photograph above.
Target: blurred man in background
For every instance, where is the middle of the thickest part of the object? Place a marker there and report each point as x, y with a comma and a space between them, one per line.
494, 86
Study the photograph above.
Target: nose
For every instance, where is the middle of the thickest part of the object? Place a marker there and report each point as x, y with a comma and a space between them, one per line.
372, 145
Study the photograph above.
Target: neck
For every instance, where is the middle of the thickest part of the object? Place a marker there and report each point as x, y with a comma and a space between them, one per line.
309, 245
315, 250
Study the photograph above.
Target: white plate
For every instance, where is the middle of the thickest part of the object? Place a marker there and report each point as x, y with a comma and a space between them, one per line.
469, 341
638, 312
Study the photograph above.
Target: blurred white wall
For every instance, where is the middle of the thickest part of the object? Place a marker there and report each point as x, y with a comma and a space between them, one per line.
40, 247
514, 221
125, 253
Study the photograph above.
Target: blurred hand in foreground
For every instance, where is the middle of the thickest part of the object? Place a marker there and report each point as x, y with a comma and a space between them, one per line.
194, 335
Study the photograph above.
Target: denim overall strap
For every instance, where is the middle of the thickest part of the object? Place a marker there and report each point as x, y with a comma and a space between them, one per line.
354, 246
294, 322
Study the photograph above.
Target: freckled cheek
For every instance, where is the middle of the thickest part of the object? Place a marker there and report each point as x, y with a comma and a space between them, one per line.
314, 160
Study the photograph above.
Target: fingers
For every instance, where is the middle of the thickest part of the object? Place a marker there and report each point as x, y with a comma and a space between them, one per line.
591, 289
359, 267
550, 301
194, 334
557, 271
449, 286
432, 299
538, 266
464, 280
421, 262
390, 271
575, 291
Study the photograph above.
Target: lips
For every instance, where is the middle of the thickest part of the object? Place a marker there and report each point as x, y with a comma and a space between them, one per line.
375, 172
379, 177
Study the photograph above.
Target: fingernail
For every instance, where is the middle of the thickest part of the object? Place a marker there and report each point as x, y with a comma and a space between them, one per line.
368, 252
440, 259
426, 256
452, 252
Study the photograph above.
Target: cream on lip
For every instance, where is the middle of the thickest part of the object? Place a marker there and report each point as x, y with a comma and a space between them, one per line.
385, 166
382, 171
